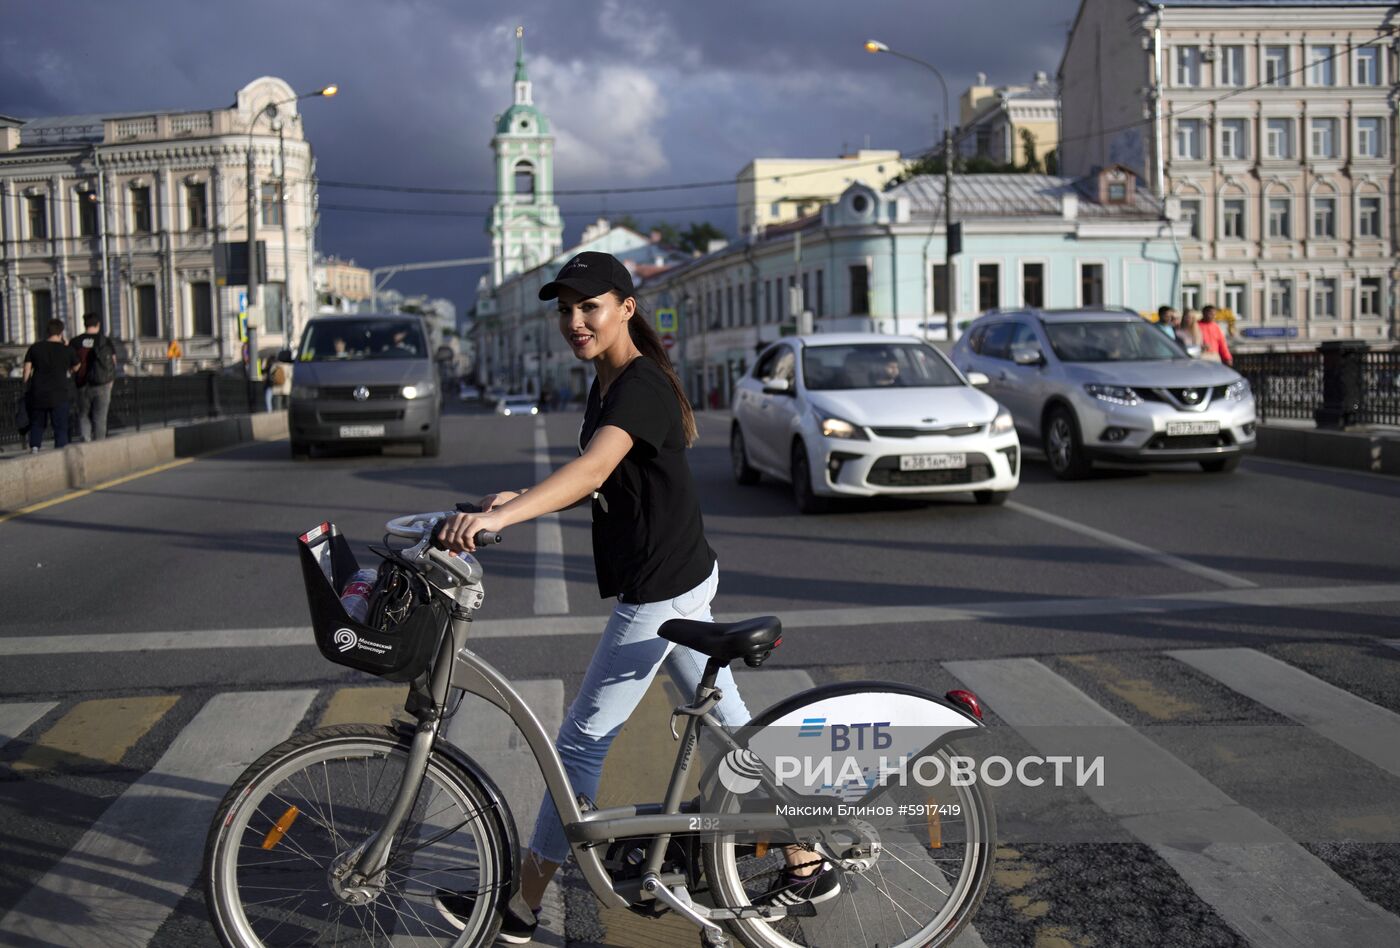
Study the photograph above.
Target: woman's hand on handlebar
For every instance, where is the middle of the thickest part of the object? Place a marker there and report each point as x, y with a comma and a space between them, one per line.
492, 501
459, 531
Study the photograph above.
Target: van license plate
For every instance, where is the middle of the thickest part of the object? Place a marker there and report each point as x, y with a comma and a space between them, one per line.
1175, 428
932, 462
362, 431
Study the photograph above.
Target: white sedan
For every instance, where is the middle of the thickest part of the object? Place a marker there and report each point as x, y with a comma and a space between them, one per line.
856, 415
518, 405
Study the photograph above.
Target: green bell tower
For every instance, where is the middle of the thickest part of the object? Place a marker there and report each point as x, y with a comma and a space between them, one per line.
525, 227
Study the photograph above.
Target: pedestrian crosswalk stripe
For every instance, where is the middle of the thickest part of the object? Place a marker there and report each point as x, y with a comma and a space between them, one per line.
98, 731
373, 704
16, 717
1367, 730
1274, 892
127, 873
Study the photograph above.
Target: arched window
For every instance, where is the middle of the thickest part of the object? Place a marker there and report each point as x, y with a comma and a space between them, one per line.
524, 183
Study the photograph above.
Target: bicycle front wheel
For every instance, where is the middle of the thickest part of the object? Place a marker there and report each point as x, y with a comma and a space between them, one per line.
296, 819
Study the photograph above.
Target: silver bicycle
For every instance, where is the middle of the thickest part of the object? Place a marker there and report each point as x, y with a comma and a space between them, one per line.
351, 835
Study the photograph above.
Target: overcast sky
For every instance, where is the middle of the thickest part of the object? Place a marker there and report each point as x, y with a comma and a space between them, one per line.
639, 93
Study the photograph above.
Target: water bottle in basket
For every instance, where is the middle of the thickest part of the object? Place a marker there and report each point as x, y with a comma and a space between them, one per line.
354, 598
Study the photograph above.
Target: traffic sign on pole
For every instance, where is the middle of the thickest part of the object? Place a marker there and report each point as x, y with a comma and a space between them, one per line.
665, 319
668, 340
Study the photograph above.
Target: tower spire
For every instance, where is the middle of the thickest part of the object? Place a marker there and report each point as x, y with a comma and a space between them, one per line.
520, 55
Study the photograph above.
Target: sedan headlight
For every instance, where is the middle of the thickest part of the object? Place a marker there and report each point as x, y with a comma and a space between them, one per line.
1237, 390
417, 391
1002, 423
833, 427
1116, 394
303, 391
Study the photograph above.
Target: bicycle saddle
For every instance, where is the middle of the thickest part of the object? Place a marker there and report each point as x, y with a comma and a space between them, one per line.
750, 639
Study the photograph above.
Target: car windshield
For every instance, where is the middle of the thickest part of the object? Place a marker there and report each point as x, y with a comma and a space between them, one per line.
336, 340
875, 365
1134, 341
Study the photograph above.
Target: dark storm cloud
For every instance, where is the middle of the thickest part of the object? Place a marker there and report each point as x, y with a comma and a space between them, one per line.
640, 93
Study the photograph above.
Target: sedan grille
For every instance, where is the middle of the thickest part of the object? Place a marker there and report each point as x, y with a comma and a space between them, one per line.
954, 431
886, 473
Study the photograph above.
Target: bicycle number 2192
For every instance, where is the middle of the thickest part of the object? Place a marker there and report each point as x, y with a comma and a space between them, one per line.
704, 823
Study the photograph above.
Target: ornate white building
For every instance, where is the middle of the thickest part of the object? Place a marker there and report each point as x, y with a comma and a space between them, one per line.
134, 216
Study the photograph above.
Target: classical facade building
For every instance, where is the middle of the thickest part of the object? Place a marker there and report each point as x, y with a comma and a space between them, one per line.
1272, 123
996, 122
124, 215
341, 286
778, 190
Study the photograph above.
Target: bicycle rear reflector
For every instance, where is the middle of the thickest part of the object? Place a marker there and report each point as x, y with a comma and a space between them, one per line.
279, 829
935, 825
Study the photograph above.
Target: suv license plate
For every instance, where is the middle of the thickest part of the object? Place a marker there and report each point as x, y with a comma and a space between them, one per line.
362, 431
932, 462
1192, 428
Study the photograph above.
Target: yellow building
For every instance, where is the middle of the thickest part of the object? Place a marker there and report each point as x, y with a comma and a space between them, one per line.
992, 121
775, 190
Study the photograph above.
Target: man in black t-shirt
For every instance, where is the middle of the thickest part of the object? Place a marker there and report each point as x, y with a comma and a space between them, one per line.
48, 369
95, 377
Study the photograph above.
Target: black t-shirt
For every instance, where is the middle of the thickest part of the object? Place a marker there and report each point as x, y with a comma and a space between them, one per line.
648, 538
50, 384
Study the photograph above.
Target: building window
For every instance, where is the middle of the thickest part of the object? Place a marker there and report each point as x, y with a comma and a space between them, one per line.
1324, 217
1232, 219
1234, 139
197, 201
1033, 285
1320, 66
1368, 66
1188, 65
1279, 225
38, 208
1324, 298
271, 193
729, 306
524, 183
1091, 284
1368, 217
806, 290
92, 302
1280, 299
1278, 138
87, 213
1191, 296
147, 318
1232, 65
1276, 66
1188, 139
42, 303
988, 286
1191, 217
1370, 137
860, 290
1368, 297
940, 288
272, 306
821, 293
201, 309
141, 210
1324, 138
1237, 300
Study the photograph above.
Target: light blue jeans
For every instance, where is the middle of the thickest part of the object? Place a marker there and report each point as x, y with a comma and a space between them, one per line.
626, 660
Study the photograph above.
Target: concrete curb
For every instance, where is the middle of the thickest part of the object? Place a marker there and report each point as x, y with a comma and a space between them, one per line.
29, 478
1371, 451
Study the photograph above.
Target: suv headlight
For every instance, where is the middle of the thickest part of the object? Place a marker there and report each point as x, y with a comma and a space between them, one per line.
1002, 423
1237, 390
833, 427
1116, 394
417, 391
303, 391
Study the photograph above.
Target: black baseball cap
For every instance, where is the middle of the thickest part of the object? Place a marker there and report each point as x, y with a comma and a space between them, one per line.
592, 274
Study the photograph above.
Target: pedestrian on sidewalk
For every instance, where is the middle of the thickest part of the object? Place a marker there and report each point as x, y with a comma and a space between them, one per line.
1189, 333
1213, 345
96, 374
649, 551
1168, 321
48, 377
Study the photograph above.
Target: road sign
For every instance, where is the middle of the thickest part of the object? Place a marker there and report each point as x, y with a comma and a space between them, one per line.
1272, 332
243, 317
668, 340
665, 319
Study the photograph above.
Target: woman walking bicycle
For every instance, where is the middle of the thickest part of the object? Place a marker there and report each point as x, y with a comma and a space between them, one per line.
649, 551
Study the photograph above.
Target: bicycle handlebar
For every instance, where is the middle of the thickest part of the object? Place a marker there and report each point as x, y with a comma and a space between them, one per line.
419, 526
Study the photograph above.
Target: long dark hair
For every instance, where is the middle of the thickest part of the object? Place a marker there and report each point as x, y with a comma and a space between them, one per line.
646, 340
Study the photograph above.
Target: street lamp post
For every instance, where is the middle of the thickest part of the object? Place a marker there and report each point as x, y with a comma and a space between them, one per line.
875, 46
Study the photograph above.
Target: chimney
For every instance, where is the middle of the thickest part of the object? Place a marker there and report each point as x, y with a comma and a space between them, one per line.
9, 138
981, 78
1069, 206
1041, 78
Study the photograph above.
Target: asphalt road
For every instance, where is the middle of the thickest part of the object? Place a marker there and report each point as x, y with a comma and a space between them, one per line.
1098, 595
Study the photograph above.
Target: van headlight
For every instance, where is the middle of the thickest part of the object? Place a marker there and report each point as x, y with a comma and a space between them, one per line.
1237, 390
417, 391
303, 391
1114, 394
833, 427
1002, 423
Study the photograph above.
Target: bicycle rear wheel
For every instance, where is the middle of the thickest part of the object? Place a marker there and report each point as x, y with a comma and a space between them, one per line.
298, 816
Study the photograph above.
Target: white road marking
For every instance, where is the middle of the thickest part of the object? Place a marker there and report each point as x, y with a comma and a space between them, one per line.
838, 620
1273, 892
127, 873
551, 590
1367, 730
14, 718
1227, 580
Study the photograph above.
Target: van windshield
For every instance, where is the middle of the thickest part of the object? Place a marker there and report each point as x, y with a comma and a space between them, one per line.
340, 339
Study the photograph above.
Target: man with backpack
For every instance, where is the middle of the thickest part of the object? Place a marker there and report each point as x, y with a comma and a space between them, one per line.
97, 370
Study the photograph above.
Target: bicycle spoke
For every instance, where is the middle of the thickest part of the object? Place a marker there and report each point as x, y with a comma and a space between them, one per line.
902, 932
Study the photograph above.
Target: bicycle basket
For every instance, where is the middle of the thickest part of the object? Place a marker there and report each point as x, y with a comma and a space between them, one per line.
399, 647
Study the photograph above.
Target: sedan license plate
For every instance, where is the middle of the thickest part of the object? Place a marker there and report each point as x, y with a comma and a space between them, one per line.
1175, 428
362, 431
932, 462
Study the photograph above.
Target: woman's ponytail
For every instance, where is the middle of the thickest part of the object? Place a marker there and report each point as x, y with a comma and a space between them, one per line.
649, 344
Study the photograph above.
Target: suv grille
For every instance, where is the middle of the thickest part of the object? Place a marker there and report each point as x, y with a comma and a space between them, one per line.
1162, 442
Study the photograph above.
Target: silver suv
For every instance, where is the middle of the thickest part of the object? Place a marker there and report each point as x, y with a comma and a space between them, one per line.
1099, 385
